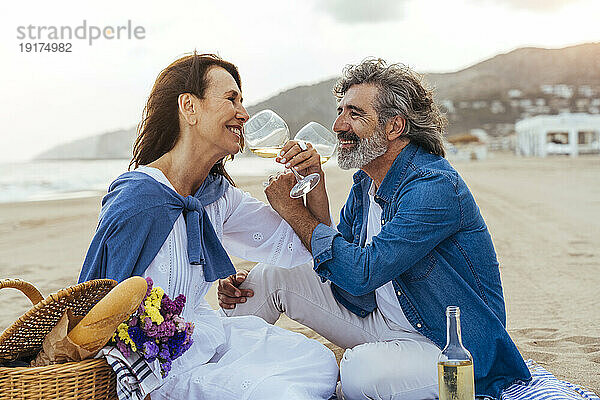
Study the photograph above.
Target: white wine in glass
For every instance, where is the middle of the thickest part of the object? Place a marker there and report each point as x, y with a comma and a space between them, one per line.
267, 152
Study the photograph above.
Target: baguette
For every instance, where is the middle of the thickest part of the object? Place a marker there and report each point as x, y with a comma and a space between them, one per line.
97, 327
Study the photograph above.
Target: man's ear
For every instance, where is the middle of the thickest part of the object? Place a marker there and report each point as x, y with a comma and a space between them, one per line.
395, 127
187, 108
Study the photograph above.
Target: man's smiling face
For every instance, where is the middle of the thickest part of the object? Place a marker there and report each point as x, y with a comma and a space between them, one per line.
361, 139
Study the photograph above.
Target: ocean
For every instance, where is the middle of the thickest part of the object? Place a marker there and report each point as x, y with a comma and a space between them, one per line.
50, 180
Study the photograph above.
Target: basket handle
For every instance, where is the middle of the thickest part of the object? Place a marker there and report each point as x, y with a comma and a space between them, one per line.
27, 288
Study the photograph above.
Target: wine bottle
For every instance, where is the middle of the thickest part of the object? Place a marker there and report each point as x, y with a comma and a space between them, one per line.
455, 363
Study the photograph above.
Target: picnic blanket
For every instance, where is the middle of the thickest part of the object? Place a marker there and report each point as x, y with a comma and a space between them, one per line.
545, 386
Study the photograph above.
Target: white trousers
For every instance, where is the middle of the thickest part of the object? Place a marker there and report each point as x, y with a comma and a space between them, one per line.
382, 361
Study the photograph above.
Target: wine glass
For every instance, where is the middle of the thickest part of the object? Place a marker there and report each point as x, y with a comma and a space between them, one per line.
266, 133
321, 138
324, 142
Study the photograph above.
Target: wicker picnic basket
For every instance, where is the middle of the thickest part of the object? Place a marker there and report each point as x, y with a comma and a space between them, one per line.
86, 380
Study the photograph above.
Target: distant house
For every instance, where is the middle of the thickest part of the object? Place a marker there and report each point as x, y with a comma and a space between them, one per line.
513, 93
468, 146
571, 134
547, 89
560, 90
525, 103
564, 91
449, 105
586, 90
497, 107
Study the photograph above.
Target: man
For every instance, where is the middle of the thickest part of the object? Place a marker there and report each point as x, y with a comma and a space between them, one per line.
410, 242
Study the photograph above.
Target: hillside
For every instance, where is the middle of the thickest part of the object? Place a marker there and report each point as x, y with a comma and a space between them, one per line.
110, 145
497, 92
491, 95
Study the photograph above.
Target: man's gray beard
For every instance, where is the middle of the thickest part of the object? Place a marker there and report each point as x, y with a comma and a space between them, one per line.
365, 151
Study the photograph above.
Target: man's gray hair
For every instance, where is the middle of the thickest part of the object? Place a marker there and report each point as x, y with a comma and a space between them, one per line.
401, 91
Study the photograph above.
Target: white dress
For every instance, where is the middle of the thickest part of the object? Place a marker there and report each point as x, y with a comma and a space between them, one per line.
238, 357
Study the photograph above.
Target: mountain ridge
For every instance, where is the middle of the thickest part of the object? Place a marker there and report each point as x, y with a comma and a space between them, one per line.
492, 95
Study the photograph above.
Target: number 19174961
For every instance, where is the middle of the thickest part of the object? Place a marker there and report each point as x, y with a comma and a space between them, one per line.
40, 47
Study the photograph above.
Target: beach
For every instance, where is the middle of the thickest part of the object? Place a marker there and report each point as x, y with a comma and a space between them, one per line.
543, 215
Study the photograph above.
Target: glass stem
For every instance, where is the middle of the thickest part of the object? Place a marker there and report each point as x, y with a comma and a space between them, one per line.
297, 175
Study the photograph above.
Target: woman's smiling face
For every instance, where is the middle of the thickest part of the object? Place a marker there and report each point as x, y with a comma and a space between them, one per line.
221, 113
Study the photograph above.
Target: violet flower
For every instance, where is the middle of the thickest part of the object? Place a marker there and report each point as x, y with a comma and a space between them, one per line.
167, 328
150, 350
150, 283
133, 321
164, 354
138, 337
179, 303
123, 348
165, 368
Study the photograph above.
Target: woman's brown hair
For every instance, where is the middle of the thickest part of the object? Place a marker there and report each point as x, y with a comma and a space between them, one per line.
159, 130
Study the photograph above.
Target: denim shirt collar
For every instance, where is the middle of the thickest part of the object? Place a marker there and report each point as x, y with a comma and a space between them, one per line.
394, 176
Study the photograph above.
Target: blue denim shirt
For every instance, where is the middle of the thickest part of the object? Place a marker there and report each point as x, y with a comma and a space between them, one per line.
436, 249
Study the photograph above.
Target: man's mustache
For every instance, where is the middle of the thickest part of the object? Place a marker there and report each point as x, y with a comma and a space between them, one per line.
348, 136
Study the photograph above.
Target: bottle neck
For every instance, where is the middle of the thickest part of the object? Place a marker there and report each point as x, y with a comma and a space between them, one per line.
453, 336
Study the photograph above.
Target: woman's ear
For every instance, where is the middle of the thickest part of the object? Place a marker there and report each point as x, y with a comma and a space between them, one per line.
395, 127
188, 108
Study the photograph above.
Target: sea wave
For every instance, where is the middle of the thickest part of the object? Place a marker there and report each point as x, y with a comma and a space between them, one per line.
50, 180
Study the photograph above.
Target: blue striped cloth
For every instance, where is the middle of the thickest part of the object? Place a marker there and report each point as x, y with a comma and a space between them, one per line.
135, 377
545, 386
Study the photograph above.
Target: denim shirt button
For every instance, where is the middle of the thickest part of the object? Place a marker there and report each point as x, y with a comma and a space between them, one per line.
317, 259
362, 313
399, 292
382, 221
419, 325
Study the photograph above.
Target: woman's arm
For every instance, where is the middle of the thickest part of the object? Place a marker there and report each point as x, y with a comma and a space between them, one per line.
252, 230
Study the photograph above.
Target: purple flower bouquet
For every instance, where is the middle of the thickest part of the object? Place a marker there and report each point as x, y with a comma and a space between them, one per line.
156, 330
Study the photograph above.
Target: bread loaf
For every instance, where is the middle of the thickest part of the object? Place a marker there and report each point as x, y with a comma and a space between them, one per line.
97, 327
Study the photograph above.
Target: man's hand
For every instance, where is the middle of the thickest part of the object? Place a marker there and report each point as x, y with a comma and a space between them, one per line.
278, 194
229, 293
304, 161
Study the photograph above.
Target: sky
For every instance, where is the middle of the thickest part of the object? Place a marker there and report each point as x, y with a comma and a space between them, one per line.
51, 98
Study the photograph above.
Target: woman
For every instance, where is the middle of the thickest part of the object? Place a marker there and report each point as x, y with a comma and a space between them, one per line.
171, 218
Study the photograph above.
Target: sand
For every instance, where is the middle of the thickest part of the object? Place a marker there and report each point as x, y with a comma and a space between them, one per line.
543, 214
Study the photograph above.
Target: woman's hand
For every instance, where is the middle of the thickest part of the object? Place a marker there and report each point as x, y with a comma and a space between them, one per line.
304, 161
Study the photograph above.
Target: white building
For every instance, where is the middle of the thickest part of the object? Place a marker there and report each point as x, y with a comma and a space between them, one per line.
586, 90
571, 134
513, 93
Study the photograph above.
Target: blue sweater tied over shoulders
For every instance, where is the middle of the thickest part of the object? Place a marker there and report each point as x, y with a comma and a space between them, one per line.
137, 216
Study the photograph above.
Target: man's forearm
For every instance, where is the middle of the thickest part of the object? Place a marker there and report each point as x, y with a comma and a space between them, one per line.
303, 223
317, 202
